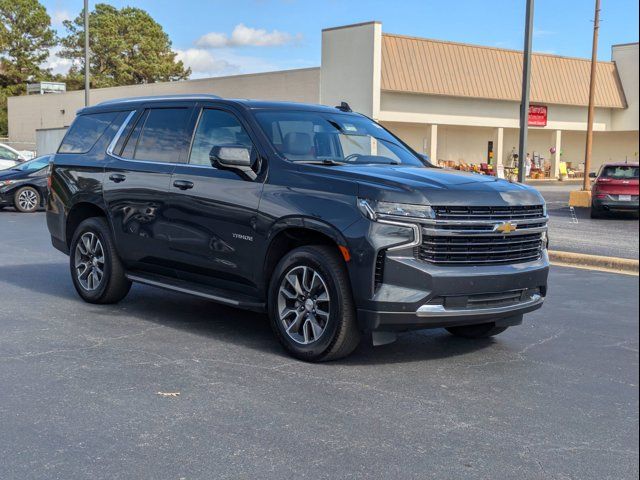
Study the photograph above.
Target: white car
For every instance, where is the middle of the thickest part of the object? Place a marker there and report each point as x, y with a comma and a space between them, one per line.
9, 157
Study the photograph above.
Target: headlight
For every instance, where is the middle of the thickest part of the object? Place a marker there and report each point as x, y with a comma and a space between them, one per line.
6, 183
372, 209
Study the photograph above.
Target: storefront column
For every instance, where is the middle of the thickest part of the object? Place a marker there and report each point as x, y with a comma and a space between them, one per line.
433, 143
556, 158
498, 151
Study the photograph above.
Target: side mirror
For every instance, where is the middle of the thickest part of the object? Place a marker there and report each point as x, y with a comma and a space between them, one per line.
592, 175
232, 157
425, 158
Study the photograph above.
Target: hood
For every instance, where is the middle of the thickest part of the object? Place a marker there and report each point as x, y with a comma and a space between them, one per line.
9, 174
434, 186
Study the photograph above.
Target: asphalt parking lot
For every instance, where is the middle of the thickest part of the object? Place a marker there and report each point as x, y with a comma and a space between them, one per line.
84, 388
614, 236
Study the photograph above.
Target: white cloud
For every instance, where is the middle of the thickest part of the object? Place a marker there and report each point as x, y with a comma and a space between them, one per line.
59, 16
212, 40
203, 64
56, 64
243, 36
538, 32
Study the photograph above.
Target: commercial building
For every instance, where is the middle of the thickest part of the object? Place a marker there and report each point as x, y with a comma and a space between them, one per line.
456, 102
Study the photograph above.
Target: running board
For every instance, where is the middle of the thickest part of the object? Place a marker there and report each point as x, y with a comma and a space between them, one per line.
218, 295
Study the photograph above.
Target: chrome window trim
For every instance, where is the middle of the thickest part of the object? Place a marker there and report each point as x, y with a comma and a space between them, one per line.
118, 134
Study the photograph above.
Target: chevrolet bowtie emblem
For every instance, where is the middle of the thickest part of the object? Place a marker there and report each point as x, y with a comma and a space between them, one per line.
505, 227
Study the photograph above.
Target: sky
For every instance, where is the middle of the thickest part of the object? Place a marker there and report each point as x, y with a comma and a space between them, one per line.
226, 37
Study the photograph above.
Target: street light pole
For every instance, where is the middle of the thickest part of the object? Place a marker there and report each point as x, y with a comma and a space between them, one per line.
524, 103
586, 186
86, 53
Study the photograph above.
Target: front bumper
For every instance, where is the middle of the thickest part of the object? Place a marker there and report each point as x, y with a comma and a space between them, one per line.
410, 293
6, 199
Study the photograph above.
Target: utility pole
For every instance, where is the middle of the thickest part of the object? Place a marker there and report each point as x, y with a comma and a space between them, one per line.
586, 186
86, 53
524, 102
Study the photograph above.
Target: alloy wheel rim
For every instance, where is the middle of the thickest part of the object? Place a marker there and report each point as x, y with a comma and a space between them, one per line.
28, 200
89, 261
303, 304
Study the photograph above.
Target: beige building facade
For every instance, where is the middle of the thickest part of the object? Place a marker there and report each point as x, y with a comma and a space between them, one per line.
454, 102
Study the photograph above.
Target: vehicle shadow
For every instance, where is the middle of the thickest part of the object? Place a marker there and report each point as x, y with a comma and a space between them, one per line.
243, 328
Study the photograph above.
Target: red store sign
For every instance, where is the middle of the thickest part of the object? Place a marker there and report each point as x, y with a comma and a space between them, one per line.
537, 116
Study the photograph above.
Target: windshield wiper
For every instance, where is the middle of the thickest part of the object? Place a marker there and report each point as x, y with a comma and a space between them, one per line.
324, 161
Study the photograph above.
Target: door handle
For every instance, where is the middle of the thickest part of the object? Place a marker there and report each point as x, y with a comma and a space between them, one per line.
117, 177
183, 184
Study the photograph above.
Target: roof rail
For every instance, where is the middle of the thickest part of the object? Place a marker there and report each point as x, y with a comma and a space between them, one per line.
159, 98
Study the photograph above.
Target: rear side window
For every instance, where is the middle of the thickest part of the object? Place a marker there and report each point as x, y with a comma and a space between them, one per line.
85, 132
162, 135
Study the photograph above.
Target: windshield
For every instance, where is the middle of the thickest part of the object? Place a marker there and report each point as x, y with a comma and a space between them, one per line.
333, 138
620, 172
33, 165
7, 154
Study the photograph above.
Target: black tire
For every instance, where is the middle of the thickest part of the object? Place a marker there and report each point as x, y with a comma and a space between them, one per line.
26, 199
482, 330
340, 334
113, 285
596, 212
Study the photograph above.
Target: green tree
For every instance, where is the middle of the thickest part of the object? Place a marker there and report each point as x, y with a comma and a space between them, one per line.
25, 39
127, 47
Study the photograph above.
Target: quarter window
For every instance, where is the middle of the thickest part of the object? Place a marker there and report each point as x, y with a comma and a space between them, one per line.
217, 128
85, 132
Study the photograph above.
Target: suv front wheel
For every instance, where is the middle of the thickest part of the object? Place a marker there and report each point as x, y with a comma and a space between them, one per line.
311, 308
96, 269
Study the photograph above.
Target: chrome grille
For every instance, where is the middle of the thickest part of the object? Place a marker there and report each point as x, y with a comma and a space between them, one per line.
489, 213
468, 236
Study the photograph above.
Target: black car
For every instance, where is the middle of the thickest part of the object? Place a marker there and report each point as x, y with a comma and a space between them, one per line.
316, 215
25, 186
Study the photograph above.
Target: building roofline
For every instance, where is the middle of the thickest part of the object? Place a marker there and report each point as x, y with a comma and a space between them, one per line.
628, 44
494, 99
361, 24
192, 80
485, 47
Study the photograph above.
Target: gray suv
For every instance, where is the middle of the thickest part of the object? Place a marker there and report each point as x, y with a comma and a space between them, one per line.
317, 216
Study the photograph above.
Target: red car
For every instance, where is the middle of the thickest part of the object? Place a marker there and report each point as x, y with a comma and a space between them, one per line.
615, 189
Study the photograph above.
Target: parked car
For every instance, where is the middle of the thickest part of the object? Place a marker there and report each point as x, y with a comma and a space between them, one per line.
615, 189
24, 186
9, 157
316, 215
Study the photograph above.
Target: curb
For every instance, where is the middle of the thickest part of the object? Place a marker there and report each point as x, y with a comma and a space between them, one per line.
594, 261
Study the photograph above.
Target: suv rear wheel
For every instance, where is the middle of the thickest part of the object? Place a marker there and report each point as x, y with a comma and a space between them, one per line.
96, 270
596, 212
482, 330
310, 305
